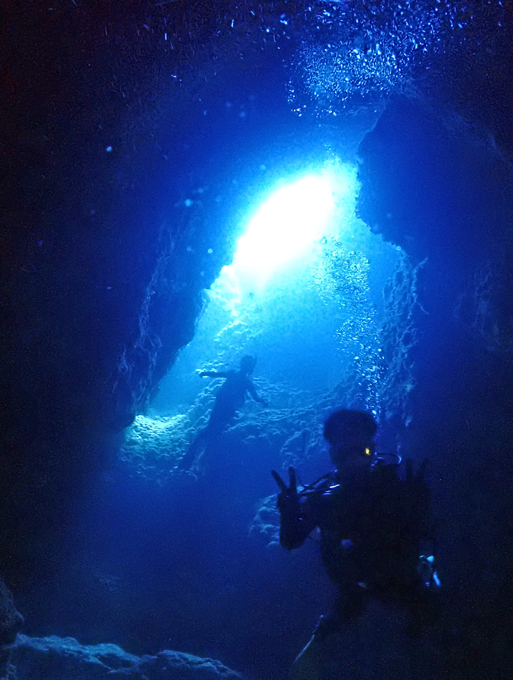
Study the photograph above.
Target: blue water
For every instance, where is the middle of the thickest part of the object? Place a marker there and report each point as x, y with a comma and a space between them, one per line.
160, 556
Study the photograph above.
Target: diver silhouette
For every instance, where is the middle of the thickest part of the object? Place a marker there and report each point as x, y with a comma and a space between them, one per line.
373, 524
230, 398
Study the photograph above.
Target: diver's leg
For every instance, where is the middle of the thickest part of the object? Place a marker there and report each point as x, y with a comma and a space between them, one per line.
351, 603
220, 418
309, 662
307, 665
423, 607
312, 661
353, 593
199, 442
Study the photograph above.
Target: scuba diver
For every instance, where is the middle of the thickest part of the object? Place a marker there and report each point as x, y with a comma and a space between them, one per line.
372, 523
229, 399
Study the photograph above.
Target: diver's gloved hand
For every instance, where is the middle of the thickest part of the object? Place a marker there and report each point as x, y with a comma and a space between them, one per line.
288, 498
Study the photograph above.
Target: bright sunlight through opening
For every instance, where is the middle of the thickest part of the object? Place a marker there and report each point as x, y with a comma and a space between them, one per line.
285, 227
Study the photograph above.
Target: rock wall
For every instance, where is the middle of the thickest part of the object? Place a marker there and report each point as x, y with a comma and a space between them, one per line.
438, 190
51, 657
115, 202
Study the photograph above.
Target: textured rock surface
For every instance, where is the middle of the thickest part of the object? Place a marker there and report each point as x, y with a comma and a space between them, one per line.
53, 657
10, 622
10, 618
126, 168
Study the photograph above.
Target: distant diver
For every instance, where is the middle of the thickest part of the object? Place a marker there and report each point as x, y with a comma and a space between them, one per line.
230, 398
373, 525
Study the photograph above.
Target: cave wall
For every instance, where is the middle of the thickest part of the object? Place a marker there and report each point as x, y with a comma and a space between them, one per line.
81, 209
117, 181
442, 191
106, 140
438, 190
127, 150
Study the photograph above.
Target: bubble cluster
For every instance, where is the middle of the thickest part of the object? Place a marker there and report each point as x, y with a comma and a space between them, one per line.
334, 74
366, 48
342, 275
399, 337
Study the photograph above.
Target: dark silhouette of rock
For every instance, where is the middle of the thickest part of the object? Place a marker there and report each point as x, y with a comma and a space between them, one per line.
10, 618
10, 623
54, 657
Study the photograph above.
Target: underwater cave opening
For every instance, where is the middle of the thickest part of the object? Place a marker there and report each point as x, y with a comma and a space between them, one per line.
285, 227
315, 325
303, 294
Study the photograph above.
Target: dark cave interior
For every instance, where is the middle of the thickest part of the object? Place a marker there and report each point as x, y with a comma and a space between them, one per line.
128, 170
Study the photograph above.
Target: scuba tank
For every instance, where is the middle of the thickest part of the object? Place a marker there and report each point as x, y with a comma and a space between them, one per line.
415, 497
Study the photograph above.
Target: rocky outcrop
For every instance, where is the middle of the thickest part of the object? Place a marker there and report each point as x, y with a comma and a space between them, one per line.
54, 657
27, 658
10, 618
441, 192
10, 623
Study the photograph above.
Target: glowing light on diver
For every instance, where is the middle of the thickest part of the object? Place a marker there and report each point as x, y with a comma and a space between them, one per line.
285, 227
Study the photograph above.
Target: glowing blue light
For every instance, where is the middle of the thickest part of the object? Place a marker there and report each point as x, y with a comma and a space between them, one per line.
285, 227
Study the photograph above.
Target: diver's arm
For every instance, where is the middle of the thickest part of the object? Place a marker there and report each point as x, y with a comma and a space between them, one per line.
251, 389
297, 520
296, 524
213, 374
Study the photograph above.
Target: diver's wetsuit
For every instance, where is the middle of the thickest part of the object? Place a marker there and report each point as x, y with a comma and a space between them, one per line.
370, 530
230, 397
